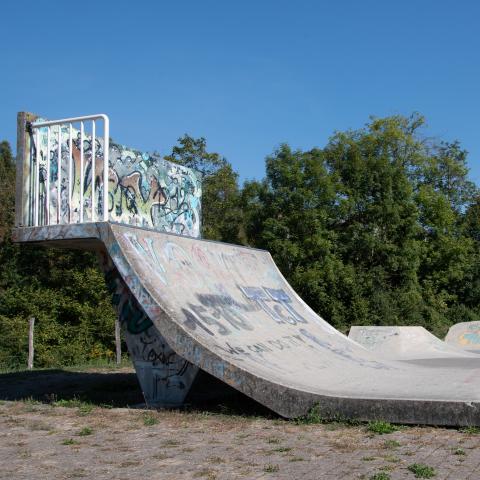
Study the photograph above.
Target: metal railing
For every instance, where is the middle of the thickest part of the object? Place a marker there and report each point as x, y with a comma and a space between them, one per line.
94, 203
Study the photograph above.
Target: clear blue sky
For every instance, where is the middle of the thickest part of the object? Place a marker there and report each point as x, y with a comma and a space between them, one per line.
247, 75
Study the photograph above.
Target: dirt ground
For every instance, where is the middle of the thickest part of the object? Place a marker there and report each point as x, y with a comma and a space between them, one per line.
58, 424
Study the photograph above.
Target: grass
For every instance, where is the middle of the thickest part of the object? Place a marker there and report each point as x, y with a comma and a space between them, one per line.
391, 444
281, 449
271, 468
380, 427
84, 407
314, 417
170, 443
149, 419
380, 476
85, 431
471, 430
420, 470
273, 440
69, 441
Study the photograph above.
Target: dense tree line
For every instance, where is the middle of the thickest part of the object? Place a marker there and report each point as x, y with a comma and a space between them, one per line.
381, 226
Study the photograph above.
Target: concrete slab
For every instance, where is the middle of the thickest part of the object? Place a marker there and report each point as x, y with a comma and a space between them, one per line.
229, 311
408, 343
465, 335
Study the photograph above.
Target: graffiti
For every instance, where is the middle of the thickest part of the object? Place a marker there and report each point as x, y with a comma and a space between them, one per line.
165, 376
264, 295
143, 189
214, 308
267, 346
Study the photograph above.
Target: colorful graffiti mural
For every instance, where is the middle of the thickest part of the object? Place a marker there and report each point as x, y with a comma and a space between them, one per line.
144, 189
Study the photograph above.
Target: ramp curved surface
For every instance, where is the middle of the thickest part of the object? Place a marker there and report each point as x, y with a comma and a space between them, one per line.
229, 311
465, 335
405, 343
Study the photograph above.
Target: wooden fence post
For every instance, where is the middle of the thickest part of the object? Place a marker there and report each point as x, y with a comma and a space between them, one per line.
118, 340
31, 325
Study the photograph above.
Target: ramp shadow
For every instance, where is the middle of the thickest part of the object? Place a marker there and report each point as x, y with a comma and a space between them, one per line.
120, 389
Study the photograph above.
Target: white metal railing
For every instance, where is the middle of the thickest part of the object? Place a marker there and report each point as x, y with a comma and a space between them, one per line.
36, 127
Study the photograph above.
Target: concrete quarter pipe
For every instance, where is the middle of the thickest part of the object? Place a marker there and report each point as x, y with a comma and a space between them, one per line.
407, 343
188, 305
229, 311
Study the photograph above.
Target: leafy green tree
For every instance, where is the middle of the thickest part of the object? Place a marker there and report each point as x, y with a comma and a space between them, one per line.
7, 188
378, 227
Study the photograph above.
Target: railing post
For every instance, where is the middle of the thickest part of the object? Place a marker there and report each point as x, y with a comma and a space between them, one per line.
106, 150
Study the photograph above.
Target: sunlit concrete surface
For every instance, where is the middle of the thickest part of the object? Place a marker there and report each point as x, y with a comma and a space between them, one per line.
406, 343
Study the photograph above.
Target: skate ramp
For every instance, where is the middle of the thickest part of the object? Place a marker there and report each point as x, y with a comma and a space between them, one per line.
465, 335
405, 343
229, 311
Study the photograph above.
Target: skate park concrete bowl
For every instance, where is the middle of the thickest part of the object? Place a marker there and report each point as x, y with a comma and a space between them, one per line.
465, 335
409, 343
229, 311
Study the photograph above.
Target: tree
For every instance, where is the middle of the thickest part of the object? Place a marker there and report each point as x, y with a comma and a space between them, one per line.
378, 227
7, 188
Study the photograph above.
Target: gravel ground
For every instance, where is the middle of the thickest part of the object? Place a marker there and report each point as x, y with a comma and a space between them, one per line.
47, 433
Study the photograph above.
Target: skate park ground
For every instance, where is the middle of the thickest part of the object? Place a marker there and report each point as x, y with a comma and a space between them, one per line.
79, 423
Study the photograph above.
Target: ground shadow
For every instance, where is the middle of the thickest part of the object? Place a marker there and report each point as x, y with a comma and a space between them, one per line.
121, 389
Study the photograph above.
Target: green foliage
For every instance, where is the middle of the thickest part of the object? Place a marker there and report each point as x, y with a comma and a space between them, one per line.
379, 227
471, 430
64, 291
85, 431
149, 419
421, 470
380, 476
381, 427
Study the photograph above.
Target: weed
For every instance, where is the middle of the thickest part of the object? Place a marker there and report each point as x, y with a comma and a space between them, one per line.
271, 468
471, 430
380, 476
296, 459
161, 456
216, 460
69, 441
209, 474
85, 431
273, 440
421, 470
149, 419
281, 449
170, 443
314, 416
84, 408
459, 451
391, 459
368, 459
381, 427
391, 444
